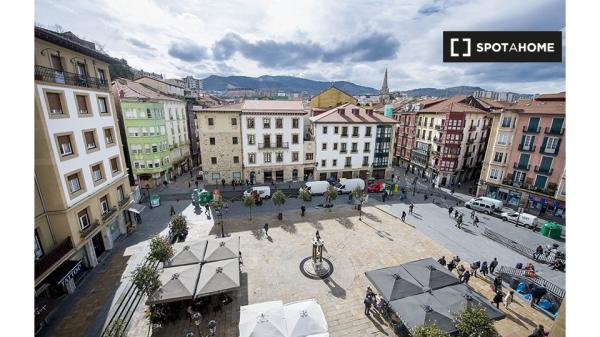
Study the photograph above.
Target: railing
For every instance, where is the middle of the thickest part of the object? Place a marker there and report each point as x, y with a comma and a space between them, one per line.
48, 260
379, 165
343, 151
527, 148
528, 129
544, 170
109, 213
546, 150
282, 145
472, 128
517, 247
551, 131
56, 76
85, 232
438, 127
124, 201
551, 287
344, 135
521, 166
347, 165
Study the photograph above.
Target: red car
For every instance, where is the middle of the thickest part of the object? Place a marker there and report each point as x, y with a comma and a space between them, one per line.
376, 187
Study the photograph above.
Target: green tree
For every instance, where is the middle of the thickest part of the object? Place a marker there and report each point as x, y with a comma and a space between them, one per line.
248, 202
120, 69
330, 195
160, 249
116, 328
145, 278
428, 331
178, 225
474, 321
279, 200
304, 195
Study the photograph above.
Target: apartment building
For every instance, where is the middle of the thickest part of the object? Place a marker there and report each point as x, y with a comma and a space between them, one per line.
82, 194
525, 161
272, 140
352, 142
220, 142
329, 98
166, 87
192, 83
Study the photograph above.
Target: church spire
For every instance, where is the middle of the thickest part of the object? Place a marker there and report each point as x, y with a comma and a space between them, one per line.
384, 87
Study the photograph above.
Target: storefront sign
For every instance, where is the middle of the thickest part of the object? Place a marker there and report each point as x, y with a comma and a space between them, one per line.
70, 274
514, 198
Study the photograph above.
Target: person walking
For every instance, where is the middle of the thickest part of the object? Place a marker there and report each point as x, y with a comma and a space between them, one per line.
493, 265
173, 210
497, 299
455, 214
442, 261
451, 265
476, 222
368, 304
461, 271
473, 215
508, 299
410, 208
266, 228
196, 182
302, 209
403, 216
450, 211
466, 276
484, 268
474, 267
384, 196
223, 182
497, 285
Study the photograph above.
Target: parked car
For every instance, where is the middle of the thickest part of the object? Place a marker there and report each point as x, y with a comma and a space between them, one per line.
264, 192
376, 187
316, 187
522, 219
484, 205
347, 185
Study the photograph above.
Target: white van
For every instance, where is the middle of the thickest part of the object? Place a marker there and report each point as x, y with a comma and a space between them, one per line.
264, 192
522, 219
348, 185
485, 205
316, 187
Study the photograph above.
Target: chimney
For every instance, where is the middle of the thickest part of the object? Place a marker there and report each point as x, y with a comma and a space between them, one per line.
341, 111
355, 112
370, 112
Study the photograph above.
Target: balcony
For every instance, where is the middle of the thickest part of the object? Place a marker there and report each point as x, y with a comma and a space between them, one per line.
365, 164
470, 141
550, 190
439, 127
343, 151
528, 129
62, 77
546, 150
89, 229
344, 135
526, 148
379, 165
383, 139
51, 258
124, 201
282, 145
109, 213
543, 170
347, 165
553, 131
521, 166
472, 128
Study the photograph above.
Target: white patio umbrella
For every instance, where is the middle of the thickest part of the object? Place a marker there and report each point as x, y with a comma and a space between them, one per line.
178, 283
304, 318
218, 276
187, 253
324, 334
263, 320
222, 249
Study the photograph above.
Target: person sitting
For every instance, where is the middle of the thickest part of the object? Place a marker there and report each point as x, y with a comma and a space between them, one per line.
442, 261
538, 252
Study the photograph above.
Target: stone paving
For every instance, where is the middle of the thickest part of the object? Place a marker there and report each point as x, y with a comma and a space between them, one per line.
271, 269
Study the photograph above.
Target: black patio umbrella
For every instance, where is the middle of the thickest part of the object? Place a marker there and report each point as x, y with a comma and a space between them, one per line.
429, 273
394, 283
423, 309
458, 296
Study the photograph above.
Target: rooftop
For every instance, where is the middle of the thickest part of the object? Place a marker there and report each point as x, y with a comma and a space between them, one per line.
237, 107
254, 105
547, 104
452, 104
71, 41
351, 114
134, 90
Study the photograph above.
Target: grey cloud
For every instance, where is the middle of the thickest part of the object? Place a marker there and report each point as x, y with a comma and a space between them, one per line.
518, 73
288, 54
187, 51
140, 44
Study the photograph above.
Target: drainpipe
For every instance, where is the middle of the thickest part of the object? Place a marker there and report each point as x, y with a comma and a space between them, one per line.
37, 185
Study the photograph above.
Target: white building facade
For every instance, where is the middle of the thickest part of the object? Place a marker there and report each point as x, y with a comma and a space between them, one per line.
177, 135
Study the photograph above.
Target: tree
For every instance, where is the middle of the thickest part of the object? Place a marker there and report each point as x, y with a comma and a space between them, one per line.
145, 278
330, 195
160, 249
120, 69
305, 196
248, 202
116, 328
279, 200
428, 331
178, 226
474, 321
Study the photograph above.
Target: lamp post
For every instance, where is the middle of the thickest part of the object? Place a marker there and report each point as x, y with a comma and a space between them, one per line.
219, 211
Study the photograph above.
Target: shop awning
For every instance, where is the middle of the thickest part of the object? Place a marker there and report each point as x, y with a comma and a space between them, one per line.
136, 208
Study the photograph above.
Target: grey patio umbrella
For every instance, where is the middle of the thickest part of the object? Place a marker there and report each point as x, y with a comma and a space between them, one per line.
187, 253
178, 283
222, 249
394, 283
457, 297
429, 273
218, 276
423, 309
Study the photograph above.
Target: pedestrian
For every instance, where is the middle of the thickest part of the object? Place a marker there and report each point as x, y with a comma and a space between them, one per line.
303, 209
476, 222
538, 251
473, 215
247, 182
497, 285
459, 184
165, 183
173, 210
403, 216
474, 267
196, 182
538, 332
442, 261
466, 276
451, 265
266, 227
368, 304
410, 208
384, 195
508, 299
484, 268
189, 184
460, 270
493, 265
497, 299
223, 182
175, 179
455, 214
536, 295
317, 235
450, 211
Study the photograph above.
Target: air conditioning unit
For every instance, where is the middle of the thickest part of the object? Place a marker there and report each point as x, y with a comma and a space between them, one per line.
56, 112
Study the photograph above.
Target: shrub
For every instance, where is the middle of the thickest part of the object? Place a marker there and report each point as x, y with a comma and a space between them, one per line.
428, 331
145, 278
331, 194
474, 321
160, 249
178, 225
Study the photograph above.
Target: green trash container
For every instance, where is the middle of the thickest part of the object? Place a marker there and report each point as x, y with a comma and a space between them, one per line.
554, 231
545, 229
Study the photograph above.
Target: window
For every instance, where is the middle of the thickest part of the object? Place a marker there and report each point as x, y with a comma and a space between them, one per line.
163, 130
343, 148
252, 158
279, 157
495, 174
82, 106
267, 157
212, 140
418, 133
552, 143
335, 146
54, 103
429, 135
250, 122
355, 131
211, 121
108, 136
64, 143
114, 164
266, 123
324, 130
251, 140
295, 139
323, 163
324, 147
334, 162
236, 159
295, 156
528, 141
147, 148
233, 121
368, 132
546, 164
84, 219
96, 172
498, 157
104, 208
295, 123
344, 131
336, 130
309, 156
354, 147
503, 139
102, 105
90, 140
348, 162
74, 184
120, 193
148, 113
101, 76
540, 182
279, 123
367, 147
213, 160
234, 140
144, 132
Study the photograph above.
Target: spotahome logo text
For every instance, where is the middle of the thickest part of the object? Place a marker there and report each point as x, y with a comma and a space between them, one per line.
502, 47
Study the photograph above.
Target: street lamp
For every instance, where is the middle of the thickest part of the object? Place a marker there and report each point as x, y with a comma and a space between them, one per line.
219, 211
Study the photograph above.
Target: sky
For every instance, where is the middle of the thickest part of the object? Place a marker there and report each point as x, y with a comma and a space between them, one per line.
314, 39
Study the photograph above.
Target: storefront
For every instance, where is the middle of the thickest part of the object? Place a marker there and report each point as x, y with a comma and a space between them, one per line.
548, 207
510, 198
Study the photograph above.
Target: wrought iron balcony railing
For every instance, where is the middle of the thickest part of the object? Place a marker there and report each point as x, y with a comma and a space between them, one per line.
49, 259
56, 76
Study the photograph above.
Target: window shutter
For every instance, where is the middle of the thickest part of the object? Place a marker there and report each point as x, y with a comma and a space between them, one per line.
54, 101
544, 144
558, 145
532, 141
81, 103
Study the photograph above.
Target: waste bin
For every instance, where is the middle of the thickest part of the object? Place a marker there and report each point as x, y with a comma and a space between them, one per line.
514, 283
551, 230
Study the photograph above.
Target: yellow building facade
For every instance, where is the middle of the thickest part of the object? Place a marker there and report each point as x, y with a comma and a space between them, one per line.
330, 98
